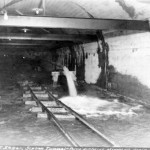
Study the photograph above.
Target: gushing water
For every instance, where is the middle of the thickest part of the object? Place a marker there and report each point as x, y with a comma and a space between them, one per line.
92, 106
70, 82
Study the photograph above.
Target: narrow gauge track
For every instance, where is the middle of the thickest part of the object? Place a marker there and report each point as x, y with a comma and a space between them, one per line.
81, 119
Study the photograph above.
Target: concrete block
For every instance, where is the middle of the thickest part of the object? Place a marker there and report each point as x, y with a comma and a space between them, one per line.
49, 103
35, 92
39, 92
27, 99
55, 95
27, 92
58, 116
30, 103
36, 88
26, 95
42, 115
36, 109
57, 110
24, 88
43, 99
41, 95
61, 116
55, 76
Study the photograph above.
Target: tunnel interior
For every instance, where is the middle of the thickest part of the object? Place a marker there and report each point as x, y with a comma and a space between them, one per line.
92, 71
81, 57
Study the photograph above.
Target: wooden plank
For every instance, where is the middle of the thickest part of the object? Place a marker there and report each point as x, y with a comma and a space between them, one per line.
73, 23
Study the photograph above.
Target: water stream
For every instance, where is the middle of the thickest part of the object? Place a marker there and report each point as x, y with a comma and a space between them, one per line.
70, 82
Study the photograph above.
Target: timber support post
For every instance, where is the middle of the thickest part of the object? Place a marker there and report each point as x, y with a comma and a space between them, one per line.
102, 51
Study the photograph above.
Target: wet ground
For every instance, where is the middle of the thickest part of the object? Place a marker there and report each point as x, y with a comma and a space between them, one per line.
19, 126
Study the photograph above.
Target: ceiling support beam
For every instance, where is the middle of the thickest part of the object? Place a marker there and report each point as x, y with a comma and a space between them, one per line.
74, 23
10, 47
48, 37
116, 33
23, 44
21, 52
17, 45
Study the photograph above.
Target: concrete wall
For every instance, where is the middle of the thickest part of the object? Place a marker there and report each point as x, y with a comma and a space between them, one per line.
92, 71
130, 55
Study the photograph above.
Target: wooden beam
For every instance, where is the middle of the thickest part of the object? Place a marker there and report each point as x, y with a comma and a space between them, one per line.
27, 42
20, 52
19, 46
116, 33
48, 37
19, 12
73, 23
24, 44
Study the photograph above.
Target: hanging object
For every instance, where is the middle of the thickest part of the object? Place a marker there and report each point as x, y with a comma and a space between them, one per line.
102, 52
86, 56
5, 15
40, 9
37, 10
25, 30
5, 12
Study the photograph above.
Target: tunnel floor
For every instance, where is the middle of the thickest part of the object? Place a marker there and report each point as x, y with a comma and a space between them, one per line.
19, 126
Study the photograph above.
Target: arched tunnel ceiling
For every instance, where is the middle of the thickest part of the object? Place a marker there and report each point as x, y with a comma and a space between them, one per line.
112, 9
49, 37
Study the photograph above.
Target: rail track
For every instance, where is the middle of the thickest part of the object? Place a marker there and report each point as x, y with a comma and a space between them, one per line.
56, 103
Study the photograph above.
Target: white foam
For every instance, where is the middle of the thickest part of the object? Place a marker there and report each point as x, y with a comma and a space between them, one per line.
91, 106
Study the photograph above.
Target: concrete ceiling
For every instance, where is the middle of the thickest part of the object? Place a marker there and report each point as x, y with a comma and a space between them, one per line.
50, 23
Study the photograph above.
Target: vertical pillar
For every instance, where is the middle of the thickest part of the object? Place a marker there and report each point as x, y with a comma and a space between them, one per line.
103, 60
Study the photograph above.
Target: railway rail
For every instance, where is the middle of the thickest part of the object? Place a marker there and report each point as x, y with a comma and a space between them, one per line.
64, 132
127, 98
